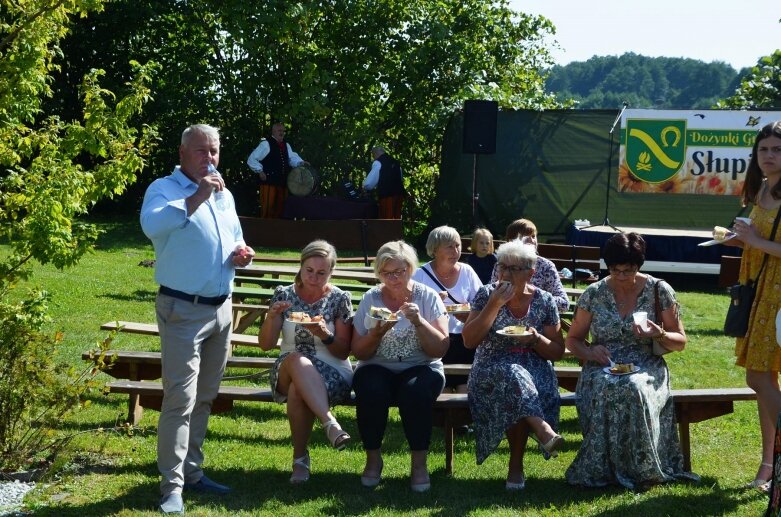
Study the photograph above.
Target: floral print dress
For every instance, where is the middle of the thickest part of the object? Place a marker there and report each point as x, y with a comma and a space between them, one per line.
509, 382
628, 421
336, 373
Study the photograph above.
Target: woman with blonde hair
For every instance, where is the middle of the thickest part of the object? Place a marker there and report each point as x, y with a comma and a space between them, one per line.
399, 360
312, 372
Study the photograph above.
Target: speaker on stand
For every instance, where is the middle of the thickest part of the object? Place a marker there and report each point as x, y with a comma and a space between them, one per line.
479, 138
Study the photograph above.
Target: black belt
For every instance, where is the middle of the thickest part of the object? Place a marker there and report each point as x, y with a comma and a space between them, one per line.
193, 298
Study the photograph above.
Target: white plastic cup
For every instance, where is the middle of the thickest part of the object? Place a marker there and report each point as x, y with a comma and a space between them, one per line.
641, 319
746, 220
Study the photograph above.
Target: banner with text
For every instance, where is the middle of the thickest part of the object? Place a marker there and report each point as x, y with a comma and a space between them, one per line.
687, 152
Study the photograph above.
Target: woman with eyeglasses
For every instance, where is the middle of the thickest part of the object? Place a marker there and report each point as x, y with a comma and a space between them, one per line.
546, 276
626, 412
400, 335
312, 372
457, 283
513, 389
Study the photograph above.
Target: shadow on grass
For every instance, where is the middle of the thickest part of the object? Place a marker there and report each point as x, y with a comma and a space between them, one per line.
119, 232
139, 295
268, 491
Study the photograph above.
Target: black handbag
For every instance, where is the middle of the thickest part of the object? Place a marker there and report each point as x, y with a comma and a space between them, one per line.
742, 298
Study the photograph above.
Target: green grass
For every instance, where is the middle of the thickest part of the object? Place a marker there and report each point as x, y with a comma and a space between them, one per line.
249, 447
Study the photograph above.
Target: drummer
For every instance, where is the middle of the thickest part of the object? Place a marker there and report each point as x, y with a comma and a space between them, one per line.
385, 175
273, 167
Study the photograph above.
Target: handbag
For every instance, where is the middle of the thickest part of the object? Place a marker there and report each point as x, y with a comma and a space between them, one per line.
658, 348
742, 298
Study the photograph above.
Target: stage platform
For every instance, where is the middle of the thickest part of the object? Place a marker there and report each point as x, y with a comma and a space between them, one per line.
668, 250
345, 234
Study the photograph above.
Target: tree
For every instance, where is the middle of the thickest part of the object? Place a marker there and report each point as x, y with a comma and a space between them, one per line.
54, 170
761, 89
344, 75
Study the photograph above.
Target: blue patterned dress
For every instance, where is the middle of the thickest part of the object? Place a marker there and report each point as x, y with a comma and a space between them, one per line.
509, 382
628, 421
337, 373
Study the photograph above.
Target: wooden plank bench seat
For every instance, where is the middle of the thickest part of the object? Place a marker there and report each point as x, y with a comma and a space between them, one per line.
242, 292
143, 365
150, 329
270, 259
452, 409
264, 281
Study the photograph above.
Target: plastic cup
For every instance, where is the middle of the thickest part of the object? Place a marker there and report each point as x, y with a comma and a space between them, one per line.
641, 319
746, 220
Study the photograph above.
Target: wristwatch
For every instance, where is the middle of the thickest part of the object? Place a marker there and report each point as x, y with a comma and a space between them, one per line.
329, 340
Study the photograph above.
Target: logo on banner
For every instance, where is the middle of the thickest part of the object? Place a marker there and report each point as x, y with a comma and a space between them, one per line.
655, 149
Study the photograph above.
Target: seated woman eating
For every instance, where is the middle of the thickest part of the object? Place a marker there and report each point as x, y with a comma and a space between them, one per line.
628, 420
400, 336
312, 372
512, 385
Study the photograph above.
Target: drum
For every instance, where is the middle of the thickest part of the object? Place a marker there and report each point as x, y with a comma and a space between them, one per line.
303, 180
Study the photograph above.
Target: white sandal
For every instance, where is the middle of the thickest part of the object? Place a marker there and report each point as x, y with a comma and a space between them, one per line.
303, 461
336, 435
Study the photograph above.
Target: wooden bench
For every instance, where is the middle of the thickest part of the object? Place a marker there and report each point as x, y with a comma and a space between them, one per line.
142, 366
150, 329
270, 259
276, 282
245, 314
264, 294
572, 257
452, 409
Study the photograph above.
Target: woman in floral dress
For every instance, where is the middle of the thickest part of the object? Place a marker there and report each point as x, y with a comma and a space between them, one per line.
512, 386
628, 421
312, 372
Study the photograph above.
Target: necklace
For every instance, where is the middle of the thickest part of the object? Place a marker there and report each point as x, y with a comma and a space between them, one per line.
445, 277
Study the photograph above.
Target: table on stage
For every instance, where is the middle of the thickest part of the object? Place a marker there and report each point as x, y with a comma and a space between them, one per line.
311, 207
665, 247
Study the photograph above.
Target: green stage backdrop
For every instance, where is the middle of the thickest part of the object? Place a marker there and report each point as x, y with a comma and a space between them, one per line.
552, 167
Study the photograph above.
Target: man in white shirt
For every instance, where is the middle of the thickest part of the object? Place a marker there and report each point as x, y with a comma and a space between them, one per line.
272, 159
386, 177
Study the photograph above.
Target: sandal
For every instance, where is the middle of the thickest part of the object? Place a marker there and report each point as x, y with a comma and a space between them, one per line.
759, 483
303, 461
336, 435
553, 445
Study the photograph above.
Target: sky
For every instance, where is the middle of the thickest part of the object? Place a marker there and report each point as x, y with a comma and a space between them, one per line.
731, 31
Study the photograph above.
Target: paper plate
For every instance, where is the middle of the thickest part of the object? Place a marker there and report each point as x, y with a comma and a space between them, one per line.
606, 369
305, 323
713, 242
511, 334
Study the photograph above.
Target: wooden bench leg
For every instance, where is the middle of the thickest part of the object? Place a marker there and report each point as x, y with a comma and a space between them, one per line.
448, 443
683, 431
134, 409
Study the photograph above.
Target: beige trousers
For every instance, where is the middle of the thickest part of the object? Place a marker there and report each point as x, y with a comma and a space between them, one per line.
195, 343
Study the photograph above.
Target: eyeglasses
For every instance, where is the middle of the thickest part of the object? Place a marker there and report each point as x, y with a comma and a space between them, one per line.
393, 274
512, 269
622, 272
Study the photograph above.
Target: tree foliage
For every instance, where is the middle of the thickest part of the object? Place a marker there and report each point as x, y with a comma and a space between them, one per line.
761, 88
643, 82
344, 75
53, 170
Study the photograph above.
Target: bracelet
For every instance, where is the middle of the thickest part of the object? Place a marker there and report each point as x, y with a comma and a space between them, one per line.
329, 340
661, 336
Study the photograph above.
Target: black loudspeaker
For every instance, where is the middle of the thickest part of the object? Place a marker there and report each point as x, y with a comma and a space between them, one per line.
480, 127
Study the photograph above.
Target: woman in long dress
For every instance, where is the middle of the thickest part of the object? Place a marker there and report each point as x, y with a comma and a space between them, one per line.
312, 372
512, 386
628, 421
758, 351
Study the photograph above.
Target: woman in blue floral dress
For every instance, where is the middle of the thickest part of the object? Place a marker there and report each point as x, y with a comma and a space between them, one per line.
512, 385
628, 421
312, 372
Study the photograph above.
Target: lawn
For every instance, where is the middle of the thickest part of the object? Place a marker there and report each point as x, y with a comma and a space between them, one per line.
249, 448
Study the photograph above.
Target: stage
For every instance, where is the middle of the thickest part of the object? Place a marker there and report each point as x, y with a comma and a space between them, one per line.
668, 250
366, 235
